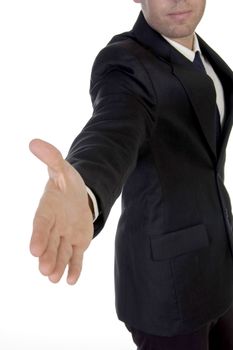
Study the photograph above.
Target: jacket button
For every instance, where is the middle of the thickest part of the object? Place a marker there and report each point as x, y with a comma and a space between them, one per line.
227, 217
226, 214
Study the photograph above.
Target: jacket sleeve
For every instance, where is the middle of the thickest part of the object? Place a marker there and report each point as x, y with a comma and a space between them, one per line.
106, 149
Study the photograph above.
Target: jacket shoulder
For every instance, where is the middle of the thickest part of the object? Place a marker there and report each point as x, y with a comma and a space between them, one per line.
119, 54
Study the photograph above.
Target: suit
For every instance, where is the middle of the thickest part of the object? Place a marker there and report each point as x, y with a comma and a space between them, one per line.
152, 138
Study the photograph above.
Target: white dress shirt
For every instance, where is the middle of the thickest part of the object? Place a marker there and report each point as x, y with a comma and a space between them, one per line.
190, 55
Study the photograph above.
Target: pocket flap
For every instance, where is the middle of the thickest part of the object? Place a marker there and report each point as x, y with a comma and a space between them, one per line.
179, 242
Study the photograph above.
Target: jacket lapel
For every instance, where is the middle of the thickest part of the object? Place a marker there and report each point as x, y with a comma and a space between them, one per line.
201, 93
198, 86
226, 77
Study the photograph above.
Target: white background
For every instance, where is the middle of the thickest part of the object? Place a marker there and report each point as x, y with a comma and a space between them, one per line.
46, 53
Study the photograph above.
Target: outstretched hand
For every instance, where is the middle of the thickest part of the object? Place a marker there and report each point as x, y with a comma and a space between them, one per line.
63, 222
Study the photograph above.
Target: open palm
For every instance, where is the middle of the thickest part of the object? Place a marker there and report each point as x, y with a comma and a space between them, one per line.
63, 222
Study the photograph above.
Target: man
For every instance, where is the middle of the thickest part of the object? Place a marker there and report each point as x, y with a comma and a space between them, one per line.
163, 111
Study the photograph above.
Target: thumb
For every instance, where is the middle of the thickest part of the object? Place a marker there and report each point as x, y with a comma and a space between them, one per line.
48, 154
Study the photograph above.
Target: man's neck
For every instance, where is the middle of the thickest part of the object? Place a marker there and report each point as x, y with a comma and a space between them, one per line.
187, 41
189, 54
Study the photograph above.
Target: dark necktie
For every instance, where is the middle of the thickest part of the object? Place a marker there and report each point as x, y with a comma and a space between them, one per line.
200, 66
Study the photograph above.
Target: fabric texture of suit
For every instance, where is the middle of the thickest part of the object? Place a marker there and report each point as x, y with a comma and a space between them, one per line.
152, 137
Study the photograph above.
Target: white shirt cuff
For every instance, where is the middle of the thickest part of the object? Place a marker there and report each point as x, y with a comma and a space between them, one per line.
94, 202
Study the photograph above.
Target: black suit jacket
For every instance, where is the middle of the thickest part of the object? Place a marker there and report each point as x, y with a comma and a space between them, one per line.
152, 137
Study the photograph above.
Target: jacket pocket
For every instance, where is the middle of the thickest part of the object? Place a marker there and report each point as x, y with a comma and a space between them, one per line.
179, 242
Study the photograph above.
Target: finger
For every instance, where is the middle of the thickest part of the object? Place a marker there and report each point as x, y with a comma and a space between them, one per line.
47, 261
48, 154
40, 235
63, 257
75, 266
42, 225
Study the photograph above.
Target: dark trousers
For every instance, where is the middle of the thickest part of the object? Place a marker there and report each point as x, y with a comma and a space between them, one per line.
216, 335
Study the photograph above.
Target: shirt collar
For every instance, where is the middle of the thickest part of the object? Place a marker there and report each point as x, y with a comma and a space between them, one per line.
189, 54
